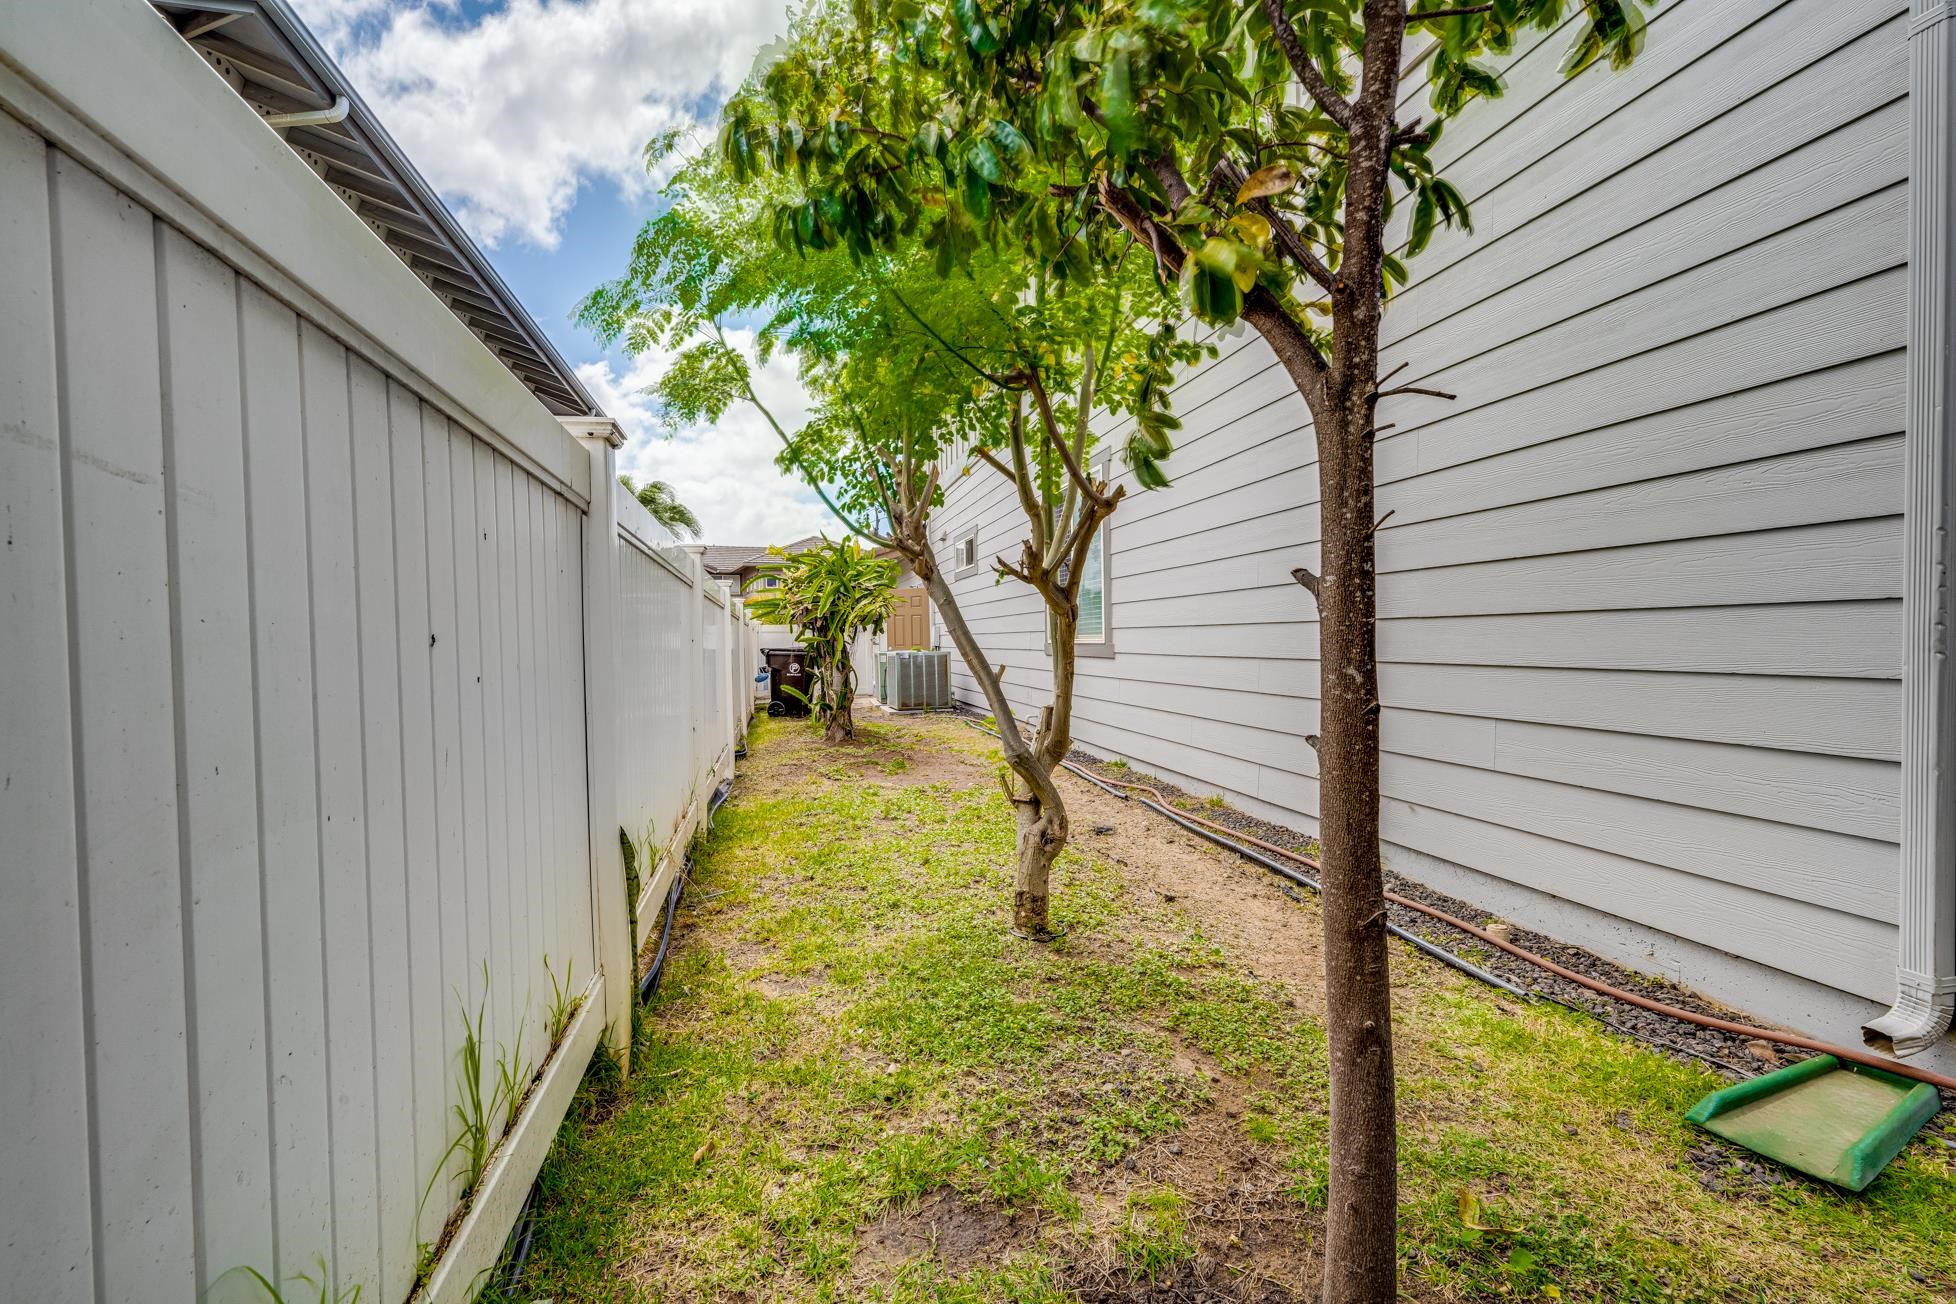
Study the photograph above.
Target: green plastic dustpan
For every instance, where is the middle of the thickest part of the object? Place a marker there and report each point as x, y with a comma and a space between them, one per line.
1839, 1122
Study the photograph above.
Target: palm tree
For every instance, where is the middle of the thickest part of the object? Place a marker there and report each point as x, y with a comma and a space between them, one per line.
658, 498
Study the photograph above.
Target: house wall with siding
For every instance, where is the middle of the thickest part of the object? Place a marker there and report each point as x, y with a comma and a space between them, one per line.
1639, 594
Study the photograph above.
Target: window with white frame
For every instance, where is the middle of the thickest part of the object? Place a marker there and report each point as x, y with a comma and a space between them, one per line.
1092, 626
967, 552
1093, 632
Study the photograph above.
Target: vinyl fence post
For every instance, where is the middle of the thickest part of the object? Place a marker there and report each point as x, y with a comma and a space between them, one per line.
612, 926
702, 759
730, 658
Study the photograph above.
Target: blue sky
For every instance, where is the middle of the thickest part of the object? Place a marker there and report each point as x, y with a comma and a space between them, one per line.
528, 116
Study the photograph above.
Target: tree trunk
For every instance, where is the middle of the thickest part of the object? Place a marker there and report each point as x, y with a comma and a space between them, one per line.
1361, 1237
1042, 836
1361, 1251
1040, 812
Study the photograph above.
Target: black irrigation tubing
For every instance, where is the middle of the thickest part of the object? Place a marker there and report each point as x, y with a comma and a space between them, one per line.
517, 1252
650, 982
1439, 953
525, 1230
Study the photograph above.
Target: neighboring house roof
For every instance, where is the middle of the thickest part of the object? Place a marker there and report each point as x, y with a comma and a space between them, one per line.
727, 558
266, 54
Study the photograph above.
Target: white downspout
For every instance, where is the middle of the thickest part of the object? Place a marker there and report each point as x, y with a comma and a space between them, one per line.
312, 117
1925, 976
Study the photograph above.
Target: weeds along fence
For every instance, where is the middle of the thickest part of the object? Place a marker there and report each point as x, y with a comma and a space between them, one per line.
332, 666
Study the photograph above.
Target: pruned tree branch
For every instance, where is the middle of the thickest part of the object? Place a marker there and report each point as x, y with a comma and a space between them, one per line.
1006, 568
1304, 576
990, 459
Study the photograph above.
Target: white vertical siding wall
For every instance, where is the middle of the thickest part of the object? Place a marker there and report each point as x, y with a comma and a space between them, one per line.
292, 703
655, 664
234, 558
1640, 582
715, 742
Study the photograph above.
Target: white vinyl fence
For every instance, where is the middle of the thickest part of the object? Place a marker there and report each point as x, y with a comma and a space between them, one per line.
308, 755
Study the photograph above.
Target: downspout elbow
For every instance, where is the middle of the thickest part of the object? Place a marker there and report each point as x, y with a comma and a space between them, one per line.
336, 112
1920, 1017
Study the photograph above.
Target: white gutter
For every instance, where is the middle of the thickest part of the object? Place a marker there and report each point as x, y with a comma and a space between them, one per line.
312, 117
1925, 977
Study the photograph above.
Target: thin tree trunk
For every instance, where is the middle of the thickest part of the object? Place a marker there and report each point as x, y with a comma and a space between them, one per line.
1361, 1252
1042, 836
1040, 812
1361, 1236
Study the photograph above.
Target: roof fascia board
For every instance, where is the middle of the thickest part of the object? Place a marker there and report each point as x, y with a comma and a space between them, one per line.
322, 66
115, 93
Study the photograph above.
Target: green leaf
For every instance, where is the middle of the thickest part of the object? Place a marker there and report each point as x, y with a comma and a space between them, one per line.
1010, 139
1117, 105
978, 29
1393, 273
984, 161
1230, 258
1424, 211
977, 192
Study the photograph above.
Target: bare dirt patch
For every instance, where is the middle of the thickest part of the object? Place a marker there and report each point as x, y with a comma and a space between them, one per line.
1253, 1240
959, 1234
886, 751
779, 985
742, 956
1234, 903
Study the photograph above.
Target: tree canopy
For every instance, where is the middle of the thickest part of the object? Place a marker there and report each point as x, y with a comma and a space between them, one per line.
967, 124
903, 362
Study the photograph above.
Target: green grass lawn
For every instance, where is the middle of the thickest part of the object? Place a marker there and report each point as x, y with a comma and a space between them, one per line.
856, 1084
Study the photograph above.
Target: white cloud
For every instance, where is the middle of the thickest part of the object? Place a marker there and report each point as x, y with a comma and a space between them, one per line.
724, 472
509, 116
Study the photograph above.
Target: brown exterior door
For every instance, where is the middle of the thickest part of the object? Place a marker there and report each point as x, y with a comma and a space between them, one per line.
910, 621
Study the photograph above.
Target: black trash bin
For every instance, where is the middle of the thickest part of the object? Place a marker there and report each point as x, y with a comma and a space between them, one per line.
786, 669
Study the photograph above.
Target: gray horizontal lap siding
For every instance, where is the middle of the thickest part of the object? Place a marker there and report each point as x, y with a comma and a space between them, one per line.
1640, 586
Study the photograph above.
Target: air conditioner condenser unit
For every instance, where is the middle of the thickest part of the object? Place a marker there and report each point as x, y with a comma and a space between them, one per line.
914, 681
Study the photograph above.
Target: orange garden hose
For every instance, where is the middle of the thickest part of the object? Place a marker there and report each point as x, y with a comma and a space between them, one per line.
1843, 1053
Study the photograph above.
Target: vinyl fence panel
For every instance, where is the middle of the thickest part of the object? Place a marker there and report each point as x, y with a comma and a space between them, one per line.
296, 707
